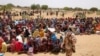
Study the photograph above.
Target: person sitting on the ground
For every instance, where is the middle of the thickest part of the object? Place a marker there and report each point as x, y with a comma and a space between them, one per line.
4, 47
30, 50
18, 46
12, 45
38, 43
35, 33
56, 47
49, 44
41, 31
1, 41
53, 38
44, 45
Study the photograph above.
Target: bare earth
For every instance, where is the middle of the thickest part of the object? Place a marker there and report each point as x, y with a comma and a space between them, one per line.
87, 45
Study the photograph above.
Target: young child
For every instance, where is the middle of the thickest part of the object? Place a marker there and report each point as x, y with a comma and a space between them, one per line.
30, 50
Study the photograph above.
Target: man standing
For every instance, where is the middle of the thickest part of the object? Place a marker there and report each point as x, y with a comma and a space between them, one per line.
69, 43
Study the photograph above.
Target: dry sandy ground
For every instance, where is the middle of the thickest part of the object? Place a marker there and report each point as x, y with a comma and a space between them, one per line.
87, 45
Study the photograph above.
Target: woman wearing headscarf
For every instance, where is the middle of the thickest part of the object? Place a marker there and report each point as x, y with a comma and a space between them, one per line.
12, 45
35, 33
1, 41
4, 47
41, 31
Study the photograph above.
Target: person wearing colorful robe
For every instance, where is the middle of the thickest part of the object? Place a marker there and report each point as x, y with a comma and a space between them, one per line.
18, 46
4, 47
41, 32
30, 50
1, 41
36, 33
69, 44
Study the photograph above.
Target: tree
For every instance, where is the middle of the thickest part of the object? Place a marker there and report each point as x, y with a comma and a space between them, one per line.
33, 6
67, 8
93, 9
0, 5
10, 5
45, 7
78, 9
7, 7
18, 6
37, 6
6, 10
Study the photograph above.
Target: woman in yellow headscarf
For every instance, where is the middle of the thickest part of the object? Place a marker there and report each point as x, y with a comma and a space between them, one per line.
4, 47
36, 33
41, 32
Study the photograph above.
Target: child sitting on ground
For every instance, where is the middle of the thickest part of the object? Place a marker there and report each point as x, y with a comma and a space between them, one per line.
30, 50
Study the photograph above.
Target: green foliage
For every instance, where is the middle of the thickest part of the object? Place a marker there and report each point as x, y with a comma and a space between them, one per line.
78, 9
10, 5
44, 7
7, 7
33, 6
4, 7
93, 9
67, 8
18, 6
37, 6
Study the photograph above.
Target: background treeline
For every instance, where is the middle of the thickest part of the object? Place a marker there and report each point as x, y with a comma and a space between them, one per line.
45, 7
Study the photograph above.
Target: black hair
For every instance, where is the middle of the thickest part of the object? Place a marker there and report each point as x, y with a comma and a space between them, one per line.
16, 39
30, 45
70, 29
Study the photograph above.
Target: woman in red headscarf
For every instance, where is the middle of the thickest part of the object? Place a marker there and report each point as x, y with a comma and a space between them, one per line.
12, 45
18, 46
1, 41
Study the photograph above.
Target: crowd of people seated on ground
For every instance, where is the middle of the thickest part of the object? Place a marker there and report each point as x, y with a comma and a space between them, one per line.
19, 35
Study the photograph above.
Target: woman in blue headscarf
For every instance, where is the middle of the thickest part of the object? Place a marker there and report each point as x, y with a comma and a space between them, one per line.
53, 38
